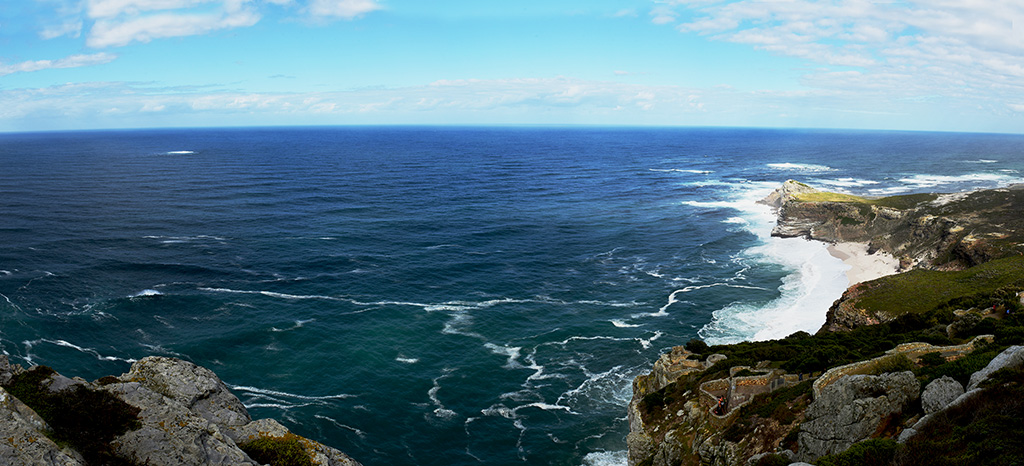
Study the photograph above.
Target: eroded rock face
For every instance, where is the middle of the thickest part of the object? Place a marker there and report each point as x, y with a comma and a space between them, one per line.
852, 409
940, 393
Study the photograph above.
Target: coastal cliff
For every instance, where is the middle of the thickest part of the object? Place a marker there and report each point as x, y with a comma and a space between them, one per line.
899, 363
163, 411
934, 231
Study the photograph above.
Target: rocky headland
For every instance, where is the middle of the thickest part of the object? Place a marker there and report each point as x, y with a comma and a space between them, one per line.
162, 412
919, 367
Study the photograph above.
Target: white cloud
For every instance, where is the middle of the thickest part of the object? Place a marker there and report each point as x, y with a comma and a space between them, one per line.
73, 61
114, 33
961, 49
347, 9
116, 23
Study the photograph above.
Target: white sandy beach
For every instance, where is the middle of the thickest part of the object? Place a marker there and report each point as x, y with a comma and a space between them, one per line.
864, 266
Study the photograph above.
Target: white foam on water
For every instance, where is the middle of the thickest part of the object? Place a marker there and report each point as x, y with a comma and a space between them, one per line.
931, 181
847, 182
814, 280
647, 343
682, 170
66, 344
274, 393
180, 152
511, 352
622, 324
405, 360
359, 432
800, 167
440, 411
146, 293
982, 161
736, 220
606, 458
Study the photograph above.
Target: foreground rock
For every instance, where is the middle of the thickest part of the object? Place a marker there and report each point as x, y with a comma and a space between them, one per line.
186, 416
852, 409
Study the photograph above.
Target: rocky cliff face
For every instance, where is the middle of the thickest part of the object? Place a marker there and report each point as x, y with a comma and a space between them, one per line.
939, 231
174, 413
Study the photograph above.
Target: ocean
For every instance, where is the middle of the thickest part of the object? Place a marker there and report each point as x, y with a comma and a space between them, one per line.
433, 295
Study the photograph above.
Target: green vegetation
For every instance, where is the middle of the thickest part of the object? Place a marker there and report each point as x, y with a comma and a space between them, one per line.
278, 451
985, 285
86, 420
874, 452
907, 201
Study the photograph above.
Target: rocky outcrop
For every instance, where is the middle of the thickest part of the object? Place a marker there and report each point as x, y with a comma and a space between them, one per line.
1010, 358
940, 393
186, 416
853, 409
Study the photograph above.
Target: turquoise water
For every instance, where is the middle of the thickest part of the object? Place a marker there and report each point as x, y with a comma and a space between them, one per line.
432, 296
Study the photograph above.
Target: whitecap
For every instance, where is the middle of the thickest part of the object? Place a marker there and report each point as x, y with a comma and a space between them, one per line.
180, 152
982, 161
736, 220
274, 393
801, 167
67, 344
646, 344
406, 360
622, 324
682, 170
147, 293
606, 458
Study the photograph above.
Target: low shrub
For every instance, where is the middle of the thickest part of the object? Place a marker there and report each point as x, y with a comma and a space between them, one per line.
874, 452
278, 451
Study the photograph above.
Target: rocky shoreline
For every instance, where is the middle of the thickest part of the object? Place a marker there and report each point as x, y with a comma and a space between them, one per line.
162, 412
873, 380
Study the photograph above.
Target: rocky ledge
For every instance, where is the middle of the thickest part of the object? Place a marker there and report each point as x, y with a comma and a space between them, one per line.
162, 412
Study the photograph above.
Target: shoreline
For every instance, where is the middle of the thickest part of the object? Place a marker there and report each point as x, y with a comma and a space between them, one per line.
863, 266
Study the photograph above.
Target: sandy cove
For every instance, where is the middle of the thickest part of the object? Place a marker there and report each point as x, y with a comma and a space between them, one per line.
863, 266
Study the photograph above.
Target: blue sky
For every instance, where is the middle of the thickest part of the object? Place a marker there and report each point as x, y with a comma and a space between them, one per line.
910, 65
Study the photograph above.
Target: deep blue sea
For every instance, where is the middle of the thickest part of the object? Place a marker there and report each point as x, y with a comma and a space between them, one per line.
432, 296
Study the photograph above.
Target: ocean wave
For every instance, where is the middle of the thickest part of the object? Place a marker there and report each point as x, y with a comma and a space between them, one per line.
815, 280
622, 324
931, 181
982, 161
800, 167
262, 392
606, 458
682, 170
405, 360
29, 344
180, 152
147, 293
847, 182
359, 432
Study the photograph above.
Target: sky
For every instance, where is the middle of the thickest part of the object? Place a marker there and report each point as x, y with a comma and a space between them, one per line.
932, 65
